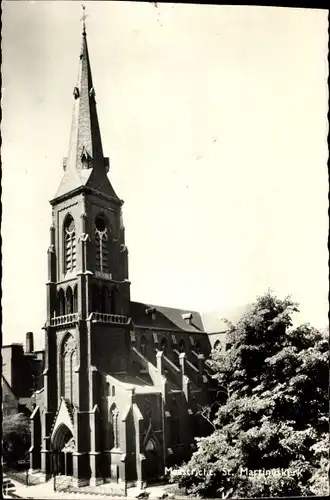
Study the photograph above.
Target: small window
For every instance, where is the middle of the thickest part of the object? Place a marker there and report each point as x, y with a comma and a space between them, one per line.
113, 391
182, 346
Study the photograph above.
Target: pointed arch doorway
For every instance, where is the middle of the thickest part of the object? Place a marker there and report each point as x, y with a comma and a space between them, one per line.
63, 445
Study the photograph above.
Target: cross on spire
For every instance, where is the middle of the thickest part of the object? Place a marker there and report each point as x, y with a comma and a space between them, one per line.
83, 19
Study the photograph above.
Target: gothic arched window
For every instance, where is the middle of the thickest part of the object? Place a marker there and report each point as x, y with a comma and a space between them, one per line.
101, 241
61, 302
69, 244
197, 347
67, 364
182, 346
163, 346
75, 299
114, 417
69, 301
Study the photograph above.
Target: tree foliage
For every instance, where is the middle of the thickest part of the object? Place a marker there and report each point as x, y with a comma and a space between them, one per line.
16, 437
271, 434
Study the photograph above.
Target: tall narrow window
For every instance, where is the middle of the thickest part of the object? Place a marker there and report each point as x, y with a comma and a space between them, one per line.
114, 416
69, 301
101, 240
67, 362
61, 300
75, 299
69, 244
182, 346
143, 346
163, 346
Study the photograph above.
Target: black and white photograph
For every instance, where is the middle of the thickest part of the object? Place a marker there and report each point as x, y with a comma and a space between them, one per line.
165, 280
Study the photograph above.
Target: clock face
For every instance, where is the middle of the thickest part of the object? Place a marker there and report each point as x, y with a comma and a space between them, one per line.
100, 223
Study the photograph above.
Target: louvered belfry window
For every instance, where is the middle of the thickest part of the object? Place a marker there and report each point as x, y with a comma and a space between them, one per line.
101, 240
69, 244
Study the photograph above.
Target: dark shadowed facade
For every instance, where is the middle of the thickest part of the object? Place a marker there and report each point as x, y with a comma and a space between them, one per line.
123, 381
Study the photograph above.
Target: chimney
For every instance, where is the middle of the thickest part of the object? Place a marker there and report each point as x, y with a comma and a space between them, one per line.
29, 347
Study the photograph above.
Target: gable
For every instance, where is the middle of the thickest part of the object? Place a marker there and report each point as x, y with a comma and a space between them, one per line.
63, 416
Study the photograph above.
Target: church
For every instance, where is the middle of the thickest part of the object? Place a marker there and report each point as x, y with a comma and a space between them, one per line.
123, 381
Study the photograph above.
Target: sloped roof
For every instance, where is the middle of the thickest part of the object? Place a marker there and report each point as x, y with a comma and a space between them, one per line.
172, 318
165, 317
89, 178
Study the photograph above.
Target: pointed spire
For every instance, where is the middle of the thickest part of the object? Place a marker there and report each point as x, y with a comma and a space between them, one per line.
84, 19
85, 150
85, 164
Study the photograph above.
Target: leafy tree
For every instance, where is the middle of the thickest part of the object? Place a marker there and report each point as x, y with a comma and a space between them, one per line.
16, 437
271, 433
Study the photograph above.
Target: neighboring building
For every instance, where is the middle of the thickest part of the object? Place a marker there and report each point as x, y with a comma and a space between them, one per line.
123, 381
21, 375
9, 400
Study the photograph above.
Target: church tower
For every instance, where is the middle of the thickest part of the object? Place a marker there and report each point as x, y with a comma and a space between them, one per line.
88, 295
123, 380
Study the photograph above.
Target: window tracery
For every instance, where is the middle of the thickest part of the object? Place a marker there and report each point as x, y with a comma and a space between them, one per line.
101, 240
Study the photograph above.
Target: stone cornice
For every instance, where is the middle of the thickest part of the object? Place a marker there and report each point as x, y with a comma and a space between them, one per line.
85, 190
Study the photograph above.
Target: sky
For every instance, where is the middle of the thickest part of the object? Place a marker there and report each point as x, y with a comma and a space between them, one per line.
215, 122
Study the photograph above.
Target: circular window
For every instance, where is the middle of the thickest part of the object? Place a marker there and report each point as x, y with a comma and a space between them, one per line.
100, 223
